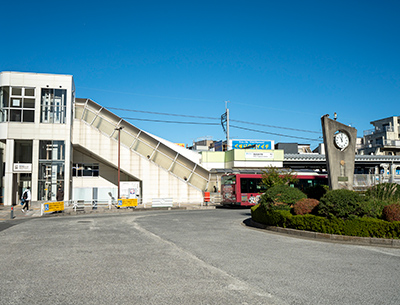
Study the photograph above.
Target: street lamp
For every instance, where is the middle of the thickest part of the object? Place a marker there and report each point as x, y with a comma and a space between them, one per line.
119, 157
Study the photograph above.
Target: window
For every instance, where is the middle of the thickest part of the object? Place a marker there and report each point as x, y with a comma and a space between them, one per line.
53, 106
85, 170
51, 168
251, 185
19, 106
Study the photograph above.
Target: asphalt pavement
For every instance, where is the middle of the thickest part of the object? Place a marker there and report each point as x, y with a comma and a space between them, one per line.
185, 257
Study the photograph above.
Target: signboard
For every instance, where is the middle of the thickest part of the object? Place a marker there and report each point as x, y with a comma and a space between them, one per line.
259, 155
130, 190
127, 203
180, 144
50, 207
252, 144
22, 167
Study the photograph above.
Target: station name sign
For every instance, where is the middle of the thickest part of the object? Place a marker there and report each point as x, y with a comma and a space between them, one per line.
259, 155
22, 168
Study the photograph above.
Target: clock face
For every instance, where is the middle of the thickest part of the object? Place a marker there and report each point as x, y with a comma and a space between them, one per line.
341, 140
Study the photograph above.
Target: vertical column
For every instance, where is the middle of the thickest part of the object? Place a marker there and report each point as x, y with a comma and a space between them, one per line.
8, 178
35, 170
67, 168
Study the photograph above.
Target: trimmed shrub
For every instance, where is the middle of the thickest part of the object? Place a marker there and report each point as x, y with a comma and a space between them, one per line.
281, 197
391, 212
341, 204
305, 206
363, 227
316, 191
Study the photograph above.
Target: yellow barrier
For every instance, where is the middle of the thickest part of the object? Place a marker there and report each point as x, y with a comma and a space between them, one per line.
127, 203
50, 207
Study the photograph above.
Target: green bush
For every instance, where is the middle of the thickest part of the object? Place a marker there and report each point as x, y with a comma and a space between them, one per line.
373, 208
341, 204
305, 206
281, 197
389, 192
363, 227
392, 212
316, 191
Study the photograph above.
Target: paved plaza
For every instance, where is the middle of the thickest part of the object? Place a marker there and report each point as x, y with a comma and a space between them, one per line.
184, 257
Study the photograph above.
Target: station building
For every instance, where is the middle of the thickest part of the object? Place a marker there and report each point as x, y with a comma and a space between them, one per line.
51, 140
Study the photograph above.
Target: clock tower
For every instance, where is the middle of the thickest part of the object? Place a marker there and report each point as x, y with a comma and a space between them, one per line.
340, 147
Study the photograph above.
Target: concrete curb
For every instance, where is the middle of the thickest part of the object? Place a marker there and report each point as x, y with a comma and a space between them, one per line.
355, 240
36, 211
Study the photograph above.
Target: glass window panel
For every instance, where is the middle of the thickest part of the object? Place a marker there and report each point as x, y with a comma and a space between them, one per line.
4, 96
15, 115
60, 171
59, 148
180, 171
16, 102
126, 138
142, 148
87, 170
88, 116
61, 95
198, 182
104, 126
148, 139
29, 115
16, 91
202, 172
3, 115
45, 151
162, 160
29, 103
78, 112
29, 91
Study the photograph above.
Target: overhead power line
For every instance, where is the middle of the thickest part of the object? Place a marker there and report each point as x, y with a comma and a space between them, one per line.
272, 133
163, 113
216, 124
279, 127
175, 122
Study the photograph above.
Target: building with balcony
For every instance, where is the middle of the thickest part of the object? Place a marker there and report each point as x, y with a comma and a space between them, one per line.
383, 139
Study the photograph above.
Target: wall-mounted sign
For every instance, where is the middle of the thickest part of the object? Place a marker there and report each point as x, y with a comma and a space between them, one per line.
251, 144
22, 168
259, 155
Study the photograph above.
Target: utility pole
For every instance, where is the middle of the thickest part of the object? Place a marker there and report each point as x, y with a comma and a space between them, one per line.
227, 124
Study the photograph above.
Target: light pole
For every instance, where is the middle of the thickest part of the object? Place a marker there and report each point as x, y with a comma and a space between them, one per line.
119, 158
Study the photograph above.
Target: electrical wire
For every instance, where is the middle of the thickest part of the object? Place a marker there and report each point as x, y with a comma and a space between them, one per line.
275, 134
272, 126
175, 122
163, 113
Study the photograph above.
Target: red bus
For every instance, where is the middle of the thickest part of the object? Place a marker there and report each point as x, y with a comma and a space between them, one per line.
246, 189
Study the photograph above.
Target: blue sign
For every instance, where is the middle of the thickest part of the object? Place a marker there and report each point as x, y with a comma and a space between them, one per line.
251, 144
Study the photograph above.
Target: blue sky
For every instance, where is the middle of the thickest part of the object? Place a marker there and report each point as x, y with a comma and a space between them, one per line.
279, 63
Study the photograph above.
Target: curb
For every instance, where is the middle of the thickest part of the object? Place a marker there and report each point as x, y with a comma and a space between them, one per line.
355, 240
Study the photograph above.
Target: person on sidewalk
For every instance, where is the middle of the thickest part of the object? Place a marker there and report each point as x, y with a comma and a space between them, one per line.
26, 197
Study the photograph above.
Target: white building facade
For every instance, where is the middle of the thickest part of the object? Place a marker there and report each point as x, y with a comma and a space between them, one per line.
50, 140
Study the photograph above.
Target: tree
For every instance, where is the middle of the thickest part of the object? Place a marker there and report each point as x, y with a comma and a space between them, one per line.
273, 176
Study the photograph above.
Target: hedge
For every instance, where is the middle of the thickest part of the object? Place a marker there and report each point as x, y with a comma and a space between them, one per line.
363, 227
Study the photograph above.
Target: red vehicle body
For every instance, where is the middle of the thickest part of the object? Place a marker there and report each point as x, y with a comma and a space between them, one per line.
246, 189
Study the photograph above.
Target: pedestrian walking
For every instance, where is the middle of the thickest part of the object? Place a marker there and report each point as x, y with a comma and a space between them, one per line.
26, 198
60, 194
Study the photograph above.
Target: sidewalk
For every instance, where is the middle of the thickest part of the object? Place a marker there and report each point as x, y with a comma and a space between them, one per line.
35, 210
